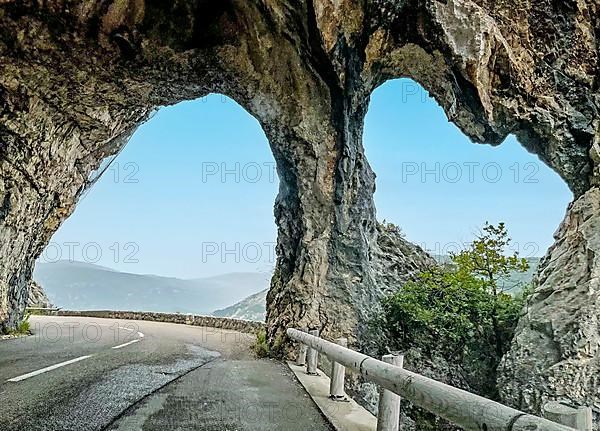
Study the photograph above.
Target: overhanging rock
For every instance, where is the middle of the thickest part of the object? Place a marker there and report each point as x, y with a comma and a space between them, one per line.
77, 78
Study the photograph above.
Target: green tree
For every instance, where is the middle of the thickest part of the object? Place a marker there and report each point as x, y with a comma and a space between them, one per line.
441, 310
461, 310
486, 258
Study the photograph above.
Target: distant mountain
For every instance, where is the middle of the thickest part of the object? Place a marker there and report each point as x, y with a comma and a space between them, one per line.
250, 308
84, 286
254, 306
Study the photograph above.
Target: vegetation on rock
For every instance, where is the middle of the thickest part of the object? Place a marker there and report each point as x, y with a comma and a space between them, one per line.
461, 311
23, 328
261, 346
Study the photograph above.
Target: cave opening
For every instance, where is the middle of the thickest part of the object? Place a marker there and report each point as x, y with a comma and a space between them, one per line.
180, 220
440, 188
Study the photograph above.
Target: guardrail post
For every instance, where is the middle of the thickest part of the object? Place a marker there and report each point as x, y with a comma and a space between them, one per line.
577, 418
301, 357
312, 356
388, 417
584, 421
338, 374
462, 408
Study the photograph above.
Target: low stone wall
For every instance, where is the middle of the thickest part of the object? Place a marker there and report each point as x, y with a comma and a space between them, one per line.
247, 326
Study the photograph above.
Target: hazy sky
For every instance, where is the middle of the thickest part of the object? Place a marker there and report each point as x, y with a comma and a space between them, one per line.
192, 193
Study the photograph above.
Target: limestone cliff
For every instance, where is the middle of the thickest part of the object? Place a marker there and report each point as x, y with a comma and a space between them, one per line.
36, 296
78, 77
556, 353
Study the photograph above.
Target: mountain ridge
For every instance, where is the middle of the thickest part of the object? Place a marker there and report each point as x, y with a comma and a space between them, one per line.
79, 285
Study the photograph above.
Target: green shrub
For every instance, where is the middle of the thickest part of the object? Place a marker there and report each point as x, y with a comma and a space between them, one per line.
23, 328
458, 311
261, 345
441, 311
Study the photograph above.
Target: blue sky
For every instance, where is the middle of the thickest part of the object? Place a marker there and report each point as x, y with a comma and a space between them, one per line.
192, 193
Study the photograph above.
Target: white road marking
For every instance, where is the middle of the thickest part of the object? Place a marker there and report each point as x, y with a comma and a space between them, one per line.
125, 344
50, 368
72, 361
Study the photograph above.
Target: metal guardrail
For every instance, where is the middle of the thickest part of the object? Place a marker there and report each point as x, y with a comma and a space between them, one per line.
460, 407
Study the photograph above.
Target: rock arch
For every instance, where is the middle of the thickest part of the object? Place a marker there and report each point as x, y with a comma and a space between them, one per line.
76, 78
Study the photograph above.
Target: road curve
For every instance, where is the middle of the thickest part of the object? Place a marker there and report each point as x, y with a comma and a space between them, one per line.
101, 374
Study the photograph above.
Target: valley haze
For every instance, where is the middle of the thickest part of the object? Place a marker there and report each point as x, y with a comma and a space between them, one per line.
83, 286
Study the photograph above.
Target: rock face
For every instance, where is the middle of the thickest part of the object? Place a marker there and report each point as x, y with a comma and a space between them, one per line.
78, 77
36, 297
556, 353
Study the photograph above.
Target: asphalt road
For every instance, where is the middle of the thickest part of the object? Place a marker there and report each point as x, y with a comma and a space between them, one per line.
101, 374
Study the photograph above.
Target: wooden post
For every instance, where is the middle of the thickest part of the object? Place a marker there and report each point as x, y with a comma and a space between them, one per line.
301, 358
338, 374
469, 411
577, 418
312, 356
388, 417
584, 420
